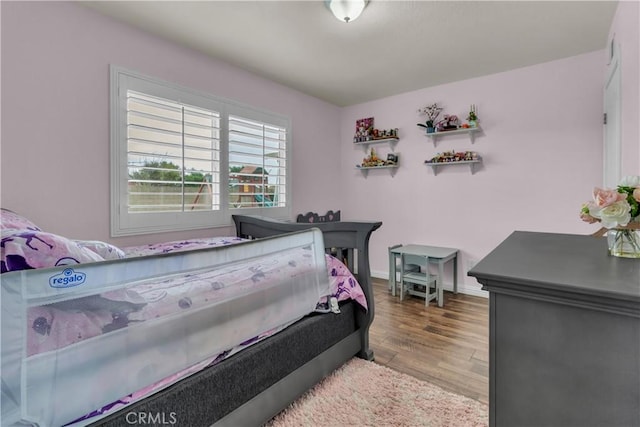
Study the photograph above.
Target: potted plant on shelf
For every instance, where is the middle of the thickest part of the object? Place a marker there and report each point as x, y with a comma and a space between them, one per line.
432, 112
472, 118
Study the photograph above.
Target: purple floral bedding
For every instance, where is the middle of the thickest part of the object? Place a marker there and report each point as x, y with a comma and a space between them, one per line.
344, 286
26, 246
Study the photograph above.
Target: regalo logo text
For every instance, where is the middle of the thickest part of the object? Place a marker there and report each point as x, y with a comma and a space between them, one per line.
67, 279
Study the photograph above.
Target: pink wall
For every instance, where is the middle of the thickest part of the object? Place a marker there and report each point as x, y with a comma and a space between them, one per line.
626, 31
55, 115
542, 139
542, 150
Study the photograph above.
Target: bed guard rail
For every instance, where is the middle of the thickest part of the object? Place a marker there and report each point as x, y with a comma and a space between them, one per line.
277, 280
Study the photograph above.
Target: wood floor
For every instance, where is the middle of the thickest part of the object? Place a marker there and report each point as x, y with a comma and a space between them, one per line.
447, 346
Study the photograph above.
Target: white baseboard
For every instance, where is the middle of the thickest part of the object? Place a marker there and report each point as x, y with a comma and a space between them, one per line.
462, 287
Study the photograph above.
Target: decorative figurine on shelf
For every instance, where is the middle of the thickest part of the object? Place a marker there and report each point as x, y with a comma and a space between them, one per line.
432, 112
374, 161
454, 156
472, 118
449, 122
383, 133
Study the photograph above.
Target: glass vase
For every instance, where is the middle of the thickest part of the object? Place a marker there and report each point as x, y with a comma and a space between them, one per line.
624, 242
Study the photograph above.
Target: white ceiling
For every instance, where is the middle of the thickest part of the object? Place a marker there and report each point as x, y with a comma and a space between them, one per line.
393, 47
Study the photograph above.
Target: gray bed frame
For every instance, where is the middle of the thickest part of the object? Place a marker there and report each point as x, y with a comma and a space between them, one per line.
253, 386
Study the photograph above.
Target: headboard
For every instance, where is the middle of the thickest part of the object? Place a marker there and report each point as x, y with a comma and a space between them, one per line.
314, 218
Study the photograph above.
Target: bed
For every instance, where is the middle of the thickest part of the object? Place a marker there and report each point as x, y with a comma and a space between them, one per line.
239, 388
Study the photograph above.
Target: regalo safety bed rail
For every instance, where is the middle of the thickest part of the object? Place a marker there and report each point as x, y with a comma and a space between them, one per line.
55, 387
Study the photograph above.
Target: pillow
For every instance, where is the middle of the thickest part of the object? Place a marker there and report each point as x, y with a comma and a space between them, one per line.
105, 250
11, 220
343, 284
30, 249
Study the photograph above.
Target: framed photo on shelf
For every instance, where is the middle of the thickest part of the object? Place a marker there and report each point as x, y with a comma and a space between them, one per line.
364, 130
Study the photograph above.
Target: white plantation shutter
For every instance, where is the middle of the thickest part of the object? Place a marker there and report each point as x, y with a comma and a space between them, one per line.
258, 164
184, 160
173, 156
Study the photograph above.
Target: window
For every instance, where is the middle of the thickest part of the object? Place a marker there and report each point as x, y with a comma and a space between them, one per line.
257, 163
173, 155
185, 160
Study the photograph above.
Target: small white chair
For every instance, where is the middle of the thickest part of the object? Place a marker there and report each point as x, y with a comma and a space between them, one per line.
408, 279
393, 286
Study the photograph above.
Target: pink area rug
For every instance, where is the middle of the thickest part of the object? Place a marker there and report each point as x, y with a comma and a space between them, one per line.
363, 393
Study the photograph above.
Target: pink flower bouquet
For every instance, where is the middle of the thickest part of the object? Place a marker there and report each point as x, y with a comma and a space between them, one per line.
619, 211
614, 208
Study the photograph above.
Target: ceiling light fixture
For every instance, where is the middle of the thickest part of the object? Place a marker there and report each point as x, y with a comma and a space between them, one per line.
346, 10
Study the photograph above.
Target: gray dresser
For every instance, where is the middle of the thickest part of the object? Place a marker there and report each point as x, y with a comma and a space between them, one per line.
564, 332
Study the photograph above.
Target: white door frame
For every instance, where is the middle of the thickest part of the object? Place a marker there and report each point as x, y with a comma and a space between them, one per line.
612, 136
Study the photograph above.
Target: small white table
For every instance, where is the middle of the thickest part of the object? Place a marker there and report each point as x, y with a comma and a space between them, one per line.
433, 254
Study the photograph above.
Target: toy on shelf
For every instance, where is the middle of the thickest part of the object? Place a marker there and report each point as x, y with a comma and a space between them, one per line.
448, 122
453, 156
366, 132
385, 133
373, 160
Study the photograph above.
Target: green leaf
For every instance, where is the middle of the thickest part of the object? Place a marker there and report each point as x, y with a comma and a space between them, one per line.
625, 189
635, 206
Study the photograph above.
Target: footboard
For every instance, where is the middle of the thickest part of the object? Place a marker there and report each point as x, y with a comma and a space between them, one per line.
350, 235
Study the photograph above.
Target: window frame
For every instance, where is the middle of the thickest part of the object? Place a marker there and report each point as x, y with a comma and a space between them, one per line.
124, 223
